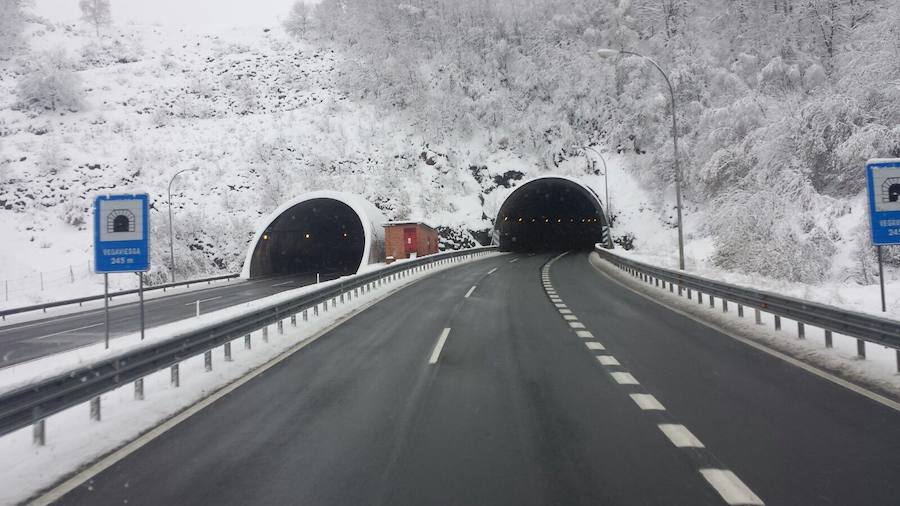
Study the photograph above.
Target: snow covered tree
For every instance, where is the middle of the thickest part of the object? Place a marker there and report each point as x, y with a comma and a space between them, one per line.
96, 12
12, 22
51, 84
297, 21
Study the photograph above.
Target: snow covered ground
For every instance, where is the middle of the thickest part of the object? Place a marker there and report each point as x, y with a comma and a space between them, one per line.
74, 440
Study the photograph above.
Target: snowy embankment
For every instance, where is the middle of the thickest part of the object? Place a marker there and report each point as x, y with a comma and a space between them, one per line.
639, 213
73, 440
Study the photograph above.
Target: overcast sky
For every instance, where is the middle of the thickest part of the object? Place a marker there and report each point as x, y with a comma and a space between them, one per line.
178, 12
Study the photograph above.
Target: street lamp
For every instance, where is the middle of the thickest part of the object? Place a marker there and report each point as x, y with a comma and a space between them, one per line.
611, 53
605, 184
171, 234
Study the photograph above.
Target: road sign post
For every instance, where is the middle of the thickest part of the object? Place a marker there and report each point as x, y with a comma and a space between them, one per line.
121, 240
883, 183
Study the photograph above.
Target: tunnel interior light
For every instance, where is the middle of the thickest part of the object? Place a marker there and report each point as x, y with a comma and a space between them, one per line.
306, 236
265, 237
520, 220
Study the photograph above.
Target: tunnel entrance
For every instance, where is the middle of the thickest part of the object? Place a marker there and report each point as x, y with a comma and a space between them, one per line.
317, 236
550, 214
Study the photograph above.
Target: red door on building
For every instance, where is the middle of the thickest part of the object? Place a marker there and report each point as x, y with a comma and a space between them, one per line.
410, 240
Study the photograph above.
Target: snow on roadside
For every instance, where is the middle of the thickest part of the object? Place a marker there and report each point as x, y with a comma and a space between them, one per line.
73, 440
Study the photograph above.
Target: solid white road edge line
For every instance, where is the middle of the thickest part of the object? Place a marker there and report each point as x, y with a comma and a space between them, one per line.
647, 402
853, 387
202, 300
730, 487
680, 436
436, 353
67, 331
470, 292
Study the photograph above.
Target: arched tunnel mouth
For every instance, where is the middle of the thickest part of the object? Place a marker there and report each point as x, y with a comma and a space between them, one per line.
550, 214
318, 236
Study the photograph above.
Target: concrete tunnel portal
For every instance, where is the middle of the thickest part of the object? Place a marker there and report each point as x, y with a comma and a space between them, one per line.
327, 233
551, 214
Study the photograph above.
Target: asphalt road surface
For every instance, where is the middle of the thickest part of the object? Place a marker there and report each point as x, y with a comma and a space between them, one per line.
562, 389
24, 341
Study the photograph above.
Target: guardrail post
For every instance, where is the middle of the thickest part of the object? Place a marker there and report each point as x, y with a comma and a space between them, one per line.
689, 294
680, 289
724, 306
671, 287
712, 301
740, 311
861, 348
280, 327
356, 292
316, 310
227, 349
777, 322
293, 320
801, 331
175, 377
95, 408
758, 316
325, 306
828, 341
38, 433
898, 361
342, 297
334, 302
139, 389
248, 342
699, 297
306, 315
265, 334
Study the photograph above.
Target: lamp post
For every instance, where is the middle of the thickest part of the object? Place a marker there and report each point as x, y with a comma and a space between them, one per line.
611, 53
171, 233
605, 184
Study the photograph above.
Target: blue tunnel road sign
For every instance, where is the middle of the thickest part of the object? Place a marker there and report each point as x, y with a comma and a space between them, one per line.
883, 179
122, 233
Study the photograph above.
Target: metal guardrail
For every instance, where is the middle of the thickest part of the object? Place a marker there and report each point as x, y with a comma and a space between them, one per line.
33, 403
828, 318
81, 300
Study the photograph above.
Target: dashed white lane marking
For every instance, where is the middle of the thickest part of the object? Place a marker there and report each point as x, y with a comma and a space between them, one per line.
561, 306
470, 291
285, 283
67, 331
592, 345
556, 300
680, 436
731, 488
576, 325
514, 260
436, 354
584, 333
202, 300
492, 271
569, 317
607, 360
565, 311
624, 378
647, 402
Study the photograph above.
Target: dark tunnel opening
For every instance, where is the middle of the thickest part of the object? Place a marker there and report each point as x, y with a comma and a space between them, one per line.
318, 236
550, 214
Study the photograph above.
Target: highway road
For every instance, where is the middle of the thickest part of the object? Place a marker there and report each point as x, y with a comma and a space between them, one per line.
27, 340
513, 381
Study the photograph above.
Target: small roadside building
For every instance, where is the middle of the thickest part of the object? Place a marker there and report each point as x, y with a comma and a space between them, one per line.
409, 239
